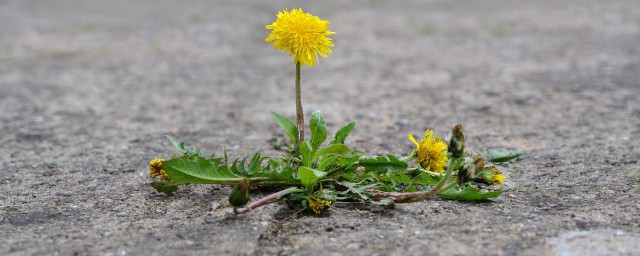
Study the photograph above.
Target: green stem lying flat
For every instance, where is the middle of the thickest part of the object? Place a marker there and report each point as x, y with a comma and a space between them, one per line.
416, 170
431, 173
262, 201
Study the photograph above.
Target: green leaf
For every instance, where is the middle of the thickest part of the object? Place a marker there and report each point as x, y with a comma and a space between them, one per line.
288, 127
180, 146
254, 164
306, 153
327, 162
381, 163
349, 161
339, 149
280, 172
388, 188
400, 177
163, 187
469, 193
342, 133
309, 176
426, 179
319, 129
357, 189
395, 177
198, 170
288, 192
503, 156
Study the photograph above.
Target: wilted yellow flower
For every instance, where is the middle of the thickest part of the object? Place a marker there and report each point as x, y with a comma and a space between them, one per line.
431, 152
491, 176
302, 35
156, 168
318, 205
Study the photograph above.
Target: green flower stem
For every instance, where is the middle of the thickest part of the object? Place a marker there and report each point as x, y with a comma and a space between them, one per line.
262, 201
299, 111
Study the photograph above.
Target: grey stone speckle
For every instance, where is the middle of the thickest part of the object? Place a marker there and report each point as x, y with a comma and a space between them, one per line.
595, 242
23, 219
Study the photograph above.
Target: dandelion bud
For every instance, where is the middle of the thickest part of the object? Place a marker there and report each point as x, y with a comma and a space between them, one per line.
465, 174
456, 143
240, 194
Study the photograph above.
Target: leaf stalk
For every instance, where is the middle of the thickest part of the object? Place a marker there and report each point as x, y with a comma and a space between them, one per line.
263, 201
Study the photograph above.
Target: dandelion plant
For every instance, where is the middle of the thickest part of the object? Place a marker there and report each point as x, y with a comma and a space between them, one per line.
318, 171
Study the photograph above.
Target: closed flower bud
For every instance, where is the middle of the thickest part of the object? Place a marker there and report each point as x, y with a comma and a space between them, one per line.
240, 194
456, 143
465, 173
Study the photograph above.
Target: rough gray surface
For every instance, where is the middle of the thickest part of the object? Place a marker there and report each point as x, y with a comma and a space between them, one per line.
88, 88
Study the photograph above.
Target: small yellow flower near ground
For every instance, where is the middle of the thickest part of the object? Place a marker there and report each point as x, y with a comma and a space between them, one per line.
156, 169
318, 205
431, 152
302, 35
491, 176
498, 178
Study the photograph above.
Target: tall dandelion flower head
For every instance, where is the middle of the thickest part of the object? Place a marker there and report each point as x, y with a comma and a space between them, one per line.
302, 35
431, 152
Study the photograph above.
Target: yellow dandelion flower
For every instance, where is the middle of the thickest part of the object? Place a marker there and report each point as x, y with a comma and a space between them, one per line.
156, 169
431, 152
318, 205
302, 35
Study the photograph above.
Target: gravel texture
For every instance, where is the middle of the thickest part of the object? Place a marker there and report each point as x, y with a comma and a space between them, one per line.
88, 88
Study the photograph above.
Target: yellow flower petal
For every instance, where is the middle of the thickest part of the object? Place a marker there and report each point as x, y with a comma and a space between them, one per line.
431, 152
413, 139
